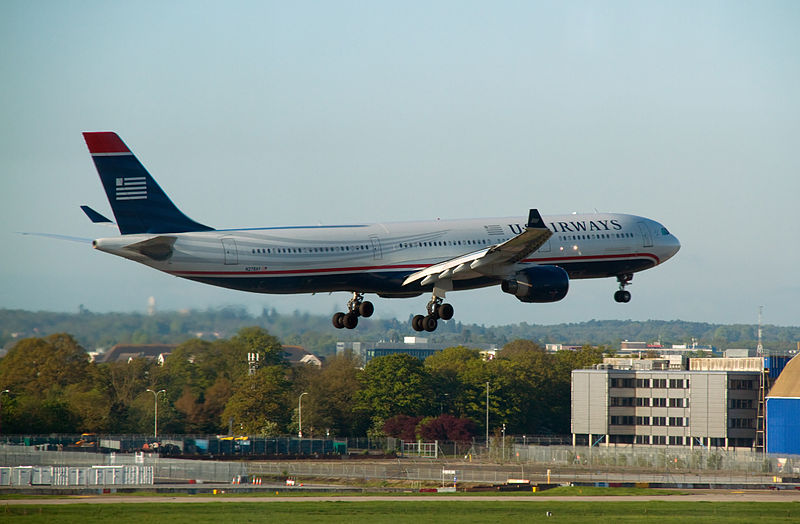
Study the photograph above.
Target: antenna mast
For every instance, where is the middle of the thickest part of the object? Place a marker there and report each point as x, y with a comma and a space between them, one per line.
759, 347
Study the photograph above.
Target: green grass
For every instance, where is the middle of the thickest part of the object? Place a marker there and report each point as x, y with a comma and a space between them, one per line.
444, 511
559, 492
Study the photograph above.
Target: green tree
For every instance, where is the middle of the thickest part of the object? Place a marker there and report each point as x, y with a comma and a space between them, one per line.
332, 394
260, 403
393, 385
447, 368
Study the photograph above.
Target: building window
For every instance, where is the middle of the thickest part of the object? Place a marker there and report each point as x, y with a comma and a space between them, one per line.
621, 401
741, 384
659, 421
642, 421
643, 401
740, 403
622, 382
659, 439
642, 382
622, 420
677, 402
676, 441
716, 442
677, 421
746, 423
676, 383
659, 383
659, 402
642, 439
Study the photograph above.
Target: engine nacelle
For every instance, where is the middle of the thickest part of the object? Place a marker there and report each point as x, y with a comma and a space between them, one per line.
538, 284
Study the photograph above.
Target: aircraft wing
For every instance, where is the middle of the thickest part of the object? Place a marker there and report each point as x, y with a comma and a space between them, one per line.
486, 261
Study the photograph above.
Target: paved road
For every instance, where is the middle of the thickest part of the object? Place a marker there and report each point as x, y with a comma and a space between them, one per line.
704, 496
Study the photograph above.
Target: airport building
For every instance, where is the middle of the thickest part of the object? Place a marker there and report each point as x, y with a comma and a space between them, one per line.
415, 346
783, 412
706, 408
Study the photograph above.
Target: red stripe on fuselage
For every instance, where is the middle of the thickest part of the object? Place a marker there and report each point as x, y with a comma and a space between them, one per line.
299, 271
555, 260
415, 267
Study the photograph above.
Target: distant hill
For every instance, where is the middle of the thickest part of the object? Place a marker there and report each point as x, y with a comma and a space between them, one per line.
315, 332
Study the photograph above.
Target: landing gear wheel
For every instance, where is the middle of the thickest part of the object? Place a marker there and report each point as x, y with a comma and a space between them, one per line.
350, 320
416, 323
445, 311
622, 296
338, 320
430, 323
366, 309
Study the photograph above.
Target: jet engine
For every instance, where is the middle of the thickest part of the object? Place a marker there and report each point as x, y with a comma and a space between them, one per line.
538, 284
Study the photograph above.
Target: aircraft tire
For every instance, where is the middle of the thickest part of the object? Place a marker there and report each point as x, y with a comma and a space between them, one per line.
416, 323
622, 296
445, 311
366, 309
430, 323
350, 320
338, 320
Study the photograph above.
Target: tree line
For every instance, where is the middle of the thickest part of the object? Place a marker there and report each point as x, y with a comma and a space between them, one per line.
315, 332
209, 388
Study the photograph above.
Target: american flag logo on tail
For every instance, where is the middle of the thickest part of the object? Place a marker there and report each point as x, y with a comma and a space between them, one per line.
131, 188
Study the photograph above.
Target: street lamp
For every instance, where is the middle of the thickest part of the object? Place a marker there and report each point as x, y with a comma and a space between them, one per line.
300, 414
487, 415
155, 412
1, 397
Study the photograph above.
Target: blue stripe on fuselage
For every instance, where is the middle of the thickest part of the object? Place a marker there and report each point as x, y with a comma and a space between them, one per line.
391, 282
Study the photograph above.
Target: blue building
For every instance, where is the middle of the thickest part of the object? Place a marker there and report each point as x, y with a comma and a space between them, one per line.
783, 411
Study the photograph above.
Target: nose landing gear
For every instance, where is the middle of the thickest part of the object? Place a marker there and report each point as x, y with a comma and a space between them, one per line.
356, 307
436, 310
623, 296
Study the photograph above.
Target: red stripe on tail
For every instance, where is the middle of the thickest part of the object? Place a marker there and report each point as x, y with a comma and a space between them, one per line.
105, 142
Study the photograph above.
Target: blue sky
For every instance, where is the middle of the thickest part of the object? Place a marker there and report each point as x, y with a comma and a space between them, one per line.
288, 113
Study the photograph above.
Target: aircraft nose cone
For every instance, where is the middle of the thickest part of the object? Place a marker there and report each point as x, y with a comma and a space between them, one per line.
671, 245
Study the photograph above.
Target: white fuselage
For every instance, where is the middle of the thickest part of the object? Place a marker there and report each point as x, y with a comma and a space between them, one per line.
376, 258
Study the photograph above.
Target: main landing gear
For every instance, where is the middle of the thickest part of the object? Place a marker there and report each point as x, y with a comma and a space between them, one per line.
436, 310
622, 295
356, 307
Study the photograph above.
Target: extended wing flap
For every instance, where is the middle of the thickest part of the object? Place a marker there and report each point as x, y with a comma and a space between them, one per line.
509, 252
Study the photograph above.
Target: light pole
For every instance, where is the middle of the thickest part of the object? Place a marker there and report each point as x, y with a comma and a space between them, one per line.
300, 414
1, 397
487, 415
155, 412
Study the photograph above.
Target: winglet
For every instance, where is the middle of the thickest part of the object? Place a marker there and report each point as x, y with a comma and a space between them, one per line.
535, 219
94, 216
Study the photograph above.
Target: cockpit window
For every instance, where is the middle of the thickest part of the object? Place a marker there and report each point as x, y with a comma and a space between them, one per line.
664, 231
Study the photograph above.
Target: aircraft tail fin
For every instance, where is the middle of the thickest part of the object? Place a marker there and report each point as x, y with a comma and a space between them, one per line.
138, 203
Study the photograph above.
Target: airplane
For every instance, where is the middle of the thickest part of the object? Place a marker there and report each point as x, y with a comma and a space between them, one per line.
533, 258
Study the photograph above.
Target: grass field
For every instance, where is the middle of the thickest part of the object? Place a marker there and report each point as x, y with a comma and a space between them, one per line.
398, 512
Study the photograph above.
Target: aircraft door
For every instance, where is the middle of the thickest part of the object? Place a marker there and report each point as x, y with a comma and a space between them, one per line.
647, 238
231, 254
377, 253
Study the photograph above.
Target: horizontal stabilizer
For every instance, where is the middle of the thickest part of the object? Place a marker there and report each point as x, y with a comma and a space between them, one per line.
94, 216
68, 238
